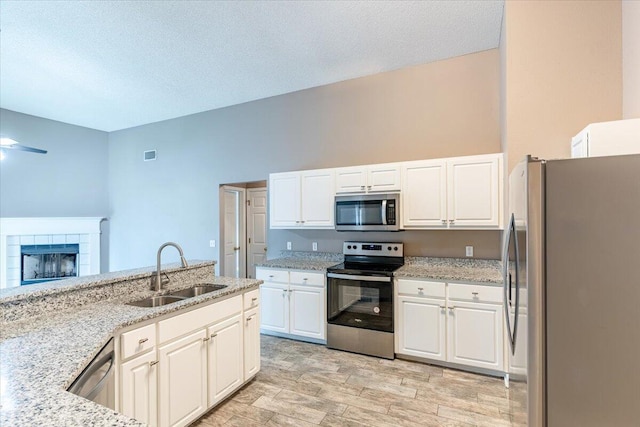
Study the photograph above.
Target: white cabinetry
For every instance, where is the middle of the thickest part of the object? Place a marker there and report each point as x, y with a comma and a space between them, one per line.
182, 379
139, 388
462, 192
293, 303
456, 323
607, 139
371, 178
202, 356
302, 199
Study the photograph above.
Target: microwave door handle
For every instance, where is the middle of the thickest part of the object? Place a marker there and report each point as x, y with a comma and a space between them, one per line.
384, 212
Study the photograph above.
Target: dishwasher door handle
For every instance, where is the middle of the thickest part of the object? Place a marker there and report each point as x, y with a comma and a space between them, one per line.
100, 385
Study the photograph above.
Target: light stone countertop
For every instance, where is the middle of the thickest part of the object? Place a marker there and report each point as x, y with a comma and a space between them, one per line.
41, 356
298, 260
466, 270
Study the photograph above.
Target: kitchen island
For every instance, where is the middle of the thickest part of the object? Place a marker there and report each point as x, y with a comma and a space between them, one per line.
51, 332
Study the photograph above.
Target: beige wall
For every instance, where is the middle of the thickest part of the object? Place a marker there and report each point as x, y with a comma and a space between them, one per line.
563, 71
631, 59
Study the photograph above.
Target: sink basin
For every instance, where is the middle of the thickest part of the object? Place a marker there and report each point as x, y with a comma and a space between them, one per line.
197, 291
156, 301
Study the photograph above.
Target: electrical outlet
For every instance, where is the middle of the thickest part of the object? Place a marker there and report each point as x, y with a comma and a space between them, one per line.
288, 246
469, 250
212, 243
314, 246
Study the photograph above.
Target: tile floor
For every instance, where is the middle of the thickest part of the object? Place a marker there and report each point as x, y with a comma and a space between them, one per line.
303, 384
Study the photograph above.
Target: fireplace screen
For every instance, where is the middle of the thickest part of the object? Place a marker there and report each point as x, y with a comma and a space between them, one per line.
41, 263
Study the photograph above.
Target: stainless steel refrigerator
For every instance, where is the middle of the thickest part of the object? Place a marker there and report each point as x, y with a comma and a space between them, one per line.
572, 292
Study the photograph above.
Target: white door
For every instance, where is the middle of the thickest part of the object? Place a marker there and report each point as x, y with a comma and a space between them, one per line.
251, 343
474, 191
475, 335
284, 200
233, 232
424, 194
318, 198
421, 327
226, 367
138, 389
383, 177
307, 311
351, 179
256, 229
274, 307
183, 380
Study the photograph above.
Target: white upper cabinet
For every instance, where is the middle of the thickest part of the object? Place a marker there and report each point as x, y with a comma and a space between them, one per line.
302, 199
461, 192
474, 193
424, 194
371, 178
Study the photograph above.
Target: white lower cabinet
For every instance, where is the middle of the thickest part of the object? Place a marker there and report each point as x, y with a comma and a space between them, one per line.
251, 342
202, 356
475, 335
293, 303
139, 385
426, 337
454, 323
182, 379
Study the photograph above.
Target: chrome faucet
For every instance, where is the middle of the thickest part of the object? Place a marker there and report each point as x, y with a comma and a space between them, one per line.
156, 279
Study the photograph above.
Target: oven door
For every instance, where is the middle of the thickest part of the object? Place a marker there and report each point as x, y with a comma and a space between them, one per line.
360, 301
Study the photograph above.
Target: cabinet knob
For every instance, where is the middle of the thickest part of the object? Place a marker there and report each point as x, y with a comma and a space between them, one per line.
153, 362
143, 340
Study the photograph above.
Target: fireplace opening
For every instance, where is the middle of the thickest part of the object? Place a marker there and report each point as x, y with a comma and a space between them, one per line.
43, 263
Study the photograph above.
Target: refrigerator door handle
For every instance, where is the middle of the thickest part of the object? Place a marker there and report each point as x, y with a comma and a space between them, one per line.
507, 277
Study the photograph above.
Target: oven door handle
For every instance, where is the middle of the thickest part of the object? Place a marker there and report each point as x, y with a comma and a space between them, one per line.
363, 278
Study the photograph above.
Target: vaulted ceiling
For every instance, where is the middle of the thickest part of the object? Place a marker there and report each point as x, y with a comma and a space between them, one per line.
111, 65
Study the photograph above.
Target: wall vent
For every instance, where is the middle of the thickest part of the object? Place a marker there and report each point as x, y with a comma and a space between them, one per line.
149, 155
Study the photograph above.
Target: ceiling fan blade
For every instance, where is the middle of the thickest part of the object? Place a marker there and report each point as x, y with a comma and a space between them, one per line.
25, 148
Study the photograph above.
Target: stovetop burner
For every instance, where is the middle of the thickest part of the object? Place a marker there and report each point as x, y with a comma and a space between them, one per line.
362, 258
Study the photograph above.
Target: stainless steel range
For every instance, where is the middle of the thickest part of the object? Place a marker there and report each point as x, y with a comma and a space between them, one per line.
360, 298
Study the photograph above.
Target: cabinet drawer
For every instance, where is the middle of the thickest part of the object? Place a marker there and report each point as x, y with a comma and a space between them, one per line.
138, 341
251, 299
421, 288
187, 322
476, 293
280, 276
307, 278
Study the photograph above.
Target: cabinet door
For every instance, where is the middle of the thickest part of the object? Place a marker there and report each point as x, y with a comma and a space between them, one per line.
383, 177
226, 367
474, 191
274, 307
351, 180
421, 327
424, 194
475, 334
318, 198
183, 380
308, 313
251, 343
284, 200
138, 389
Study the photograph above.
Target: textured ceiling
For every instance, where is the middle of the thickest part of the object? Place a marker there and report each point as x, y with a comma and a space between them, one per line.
111, 65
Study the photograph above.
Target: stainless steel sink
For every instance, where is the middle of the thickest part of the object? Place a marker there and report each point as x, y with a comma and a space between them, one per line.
197, 291
157, 301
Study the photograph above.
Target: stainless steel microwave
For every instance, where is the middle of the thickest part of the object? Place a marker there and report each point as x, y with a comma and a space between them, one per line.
368, 212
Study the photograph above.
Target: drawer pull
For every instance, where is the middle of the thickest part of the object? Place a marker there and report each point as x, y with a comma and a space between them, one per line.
143, 340
249, 318
205, 339
213, 335
453, 307
421, 289
442, 307
304, 278
475, 294
271, 276
254, 299
153, 362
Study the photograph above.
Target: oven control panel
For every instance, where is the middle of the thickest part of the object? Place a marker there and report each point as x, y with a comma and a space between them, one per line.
373, 248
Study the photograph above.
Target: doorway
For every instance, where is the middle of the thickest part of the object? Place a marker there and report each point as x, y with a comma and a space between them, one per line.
243, 228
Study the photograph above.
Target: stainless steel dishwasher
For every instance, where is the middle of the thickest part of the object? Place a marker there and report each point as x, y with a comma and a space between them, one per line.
97, 381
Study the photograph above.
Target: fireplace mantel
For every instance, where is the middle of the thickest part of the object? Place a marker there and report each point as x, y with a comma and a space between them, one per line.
19, 231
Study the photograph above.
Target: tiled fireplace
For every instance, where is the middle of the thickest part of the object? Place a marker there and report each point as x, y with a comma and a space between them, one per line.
34, 250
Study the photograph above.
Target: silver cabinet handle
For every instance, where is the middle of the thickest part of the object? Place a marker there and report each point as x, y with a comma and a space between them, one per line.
475, 294
143, 340
153, 362
369, 187
213, 335
271, 276
254, 299
444, 221
302, 222
249, 318
451, 221
284, 292
453, 307
421, 289
362, 187
205, 339
442, 307
304, 278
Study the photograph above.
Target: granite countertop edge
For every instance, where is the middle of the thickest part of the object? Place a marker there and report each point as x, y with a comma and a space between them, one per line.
36, 391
